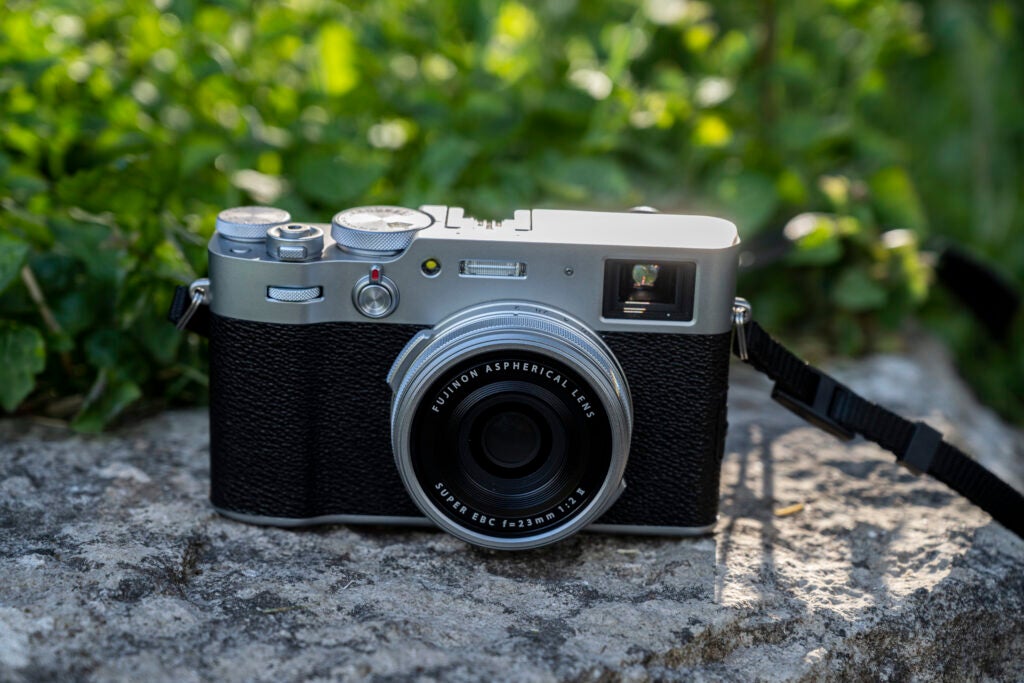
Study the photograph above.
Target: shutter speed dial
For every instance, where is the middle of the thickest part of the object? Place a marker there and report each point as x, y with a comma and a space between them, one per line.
378, 230
375, 296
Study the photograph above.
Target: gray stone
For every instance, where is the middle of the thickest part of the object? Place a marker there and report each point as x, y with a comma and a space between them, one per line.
114, 568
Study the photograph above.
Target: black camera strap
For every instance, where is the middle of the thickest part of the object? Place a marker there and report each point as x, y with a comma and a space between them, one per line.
838, 410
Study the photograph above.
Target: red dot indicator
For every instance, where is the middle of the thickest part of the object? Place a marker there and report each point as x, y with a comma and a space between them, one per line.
374, 273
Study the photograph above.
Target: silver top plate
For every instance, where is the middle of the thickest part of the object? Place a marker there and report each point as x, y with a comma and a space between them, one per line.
565, 253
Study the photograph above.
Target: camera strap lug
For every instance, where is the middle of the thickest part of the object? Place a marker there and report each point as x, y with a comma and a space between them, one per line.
742, 313
835, 408
190, 307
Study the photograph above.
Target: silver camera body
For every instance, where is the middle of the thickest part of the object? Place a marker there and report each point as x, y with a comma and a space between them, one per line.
503, 380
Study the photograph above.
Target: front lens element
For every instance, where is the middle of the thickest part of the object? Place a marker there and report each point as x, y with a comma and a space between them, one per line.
509, 439
511, 430
506, 435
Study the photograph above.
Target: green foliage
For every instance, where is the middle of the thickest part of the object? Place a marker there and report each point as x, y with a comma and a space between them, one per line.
21, 358
126, 124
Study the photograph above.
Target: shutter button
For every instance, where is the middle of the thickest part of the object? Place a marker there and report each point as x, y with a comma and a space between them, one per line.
375, 296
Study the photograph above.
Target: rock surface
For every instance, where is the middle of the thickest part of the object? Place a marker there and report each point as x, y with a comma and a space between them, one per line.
114, 568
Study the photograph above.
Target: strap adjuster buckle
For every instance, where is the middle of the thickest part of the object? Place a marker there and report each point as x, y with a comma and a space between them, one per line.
921, 450
816, 413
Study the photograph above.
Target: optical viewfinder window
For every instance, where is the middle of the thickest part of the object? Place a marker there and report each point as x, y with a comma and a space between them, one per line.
649, 290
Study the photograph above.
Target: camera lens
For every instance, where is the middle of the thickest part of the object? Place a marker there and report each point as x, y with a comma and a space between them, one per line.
518, 445
510, 439
510, 431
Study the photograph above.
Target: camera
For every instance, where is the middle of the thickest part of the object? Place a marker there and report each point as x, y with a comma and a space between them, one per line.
511, 382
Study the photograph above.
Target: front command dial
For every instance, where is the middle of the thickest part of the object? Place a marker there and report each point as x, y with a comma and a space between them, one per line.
378, 230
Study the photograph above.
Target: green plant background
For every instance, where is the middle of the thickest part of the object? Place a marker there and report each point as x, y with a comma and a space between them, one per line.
125, 125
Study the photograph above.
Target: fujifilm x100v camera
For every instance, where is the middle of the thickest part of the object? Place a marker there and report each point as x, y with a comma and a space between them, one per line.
511, 382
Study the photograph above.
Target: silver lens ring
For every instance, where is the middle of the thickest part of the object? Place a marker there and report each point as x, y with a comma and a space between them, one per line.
516, 328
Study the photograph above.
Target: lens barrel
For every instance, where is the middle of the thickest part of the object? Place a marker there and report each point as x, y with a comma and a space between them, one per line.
510, 425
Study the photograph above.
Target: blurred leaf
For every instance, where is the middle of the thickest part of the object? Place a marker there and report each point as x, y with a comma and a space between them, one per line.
160, 339
897, 202
336, 47
12, 256
850, 334
751, 199
818, 247
579, 178
22, 357
837, 189
809, 132
856, 291
711, 131
439, 168
791, 188
170, 264
127, 187
26, 223
115, 394
74, 310
333, 180
92, 245
101, 348
697, 38
198, 154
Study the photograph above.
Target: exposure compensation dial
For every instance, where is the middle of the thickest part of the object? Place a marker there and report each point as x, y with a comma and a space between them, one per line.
249, 223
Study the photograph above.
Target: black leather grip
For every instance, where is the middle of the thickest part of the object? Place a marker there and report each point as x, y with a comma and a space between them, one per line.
300, 426
679, 385
299, 423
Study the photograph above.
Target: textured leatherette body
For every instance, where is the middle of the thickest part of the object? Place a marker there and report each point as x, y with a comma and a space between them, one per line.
678, 383
300, 428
